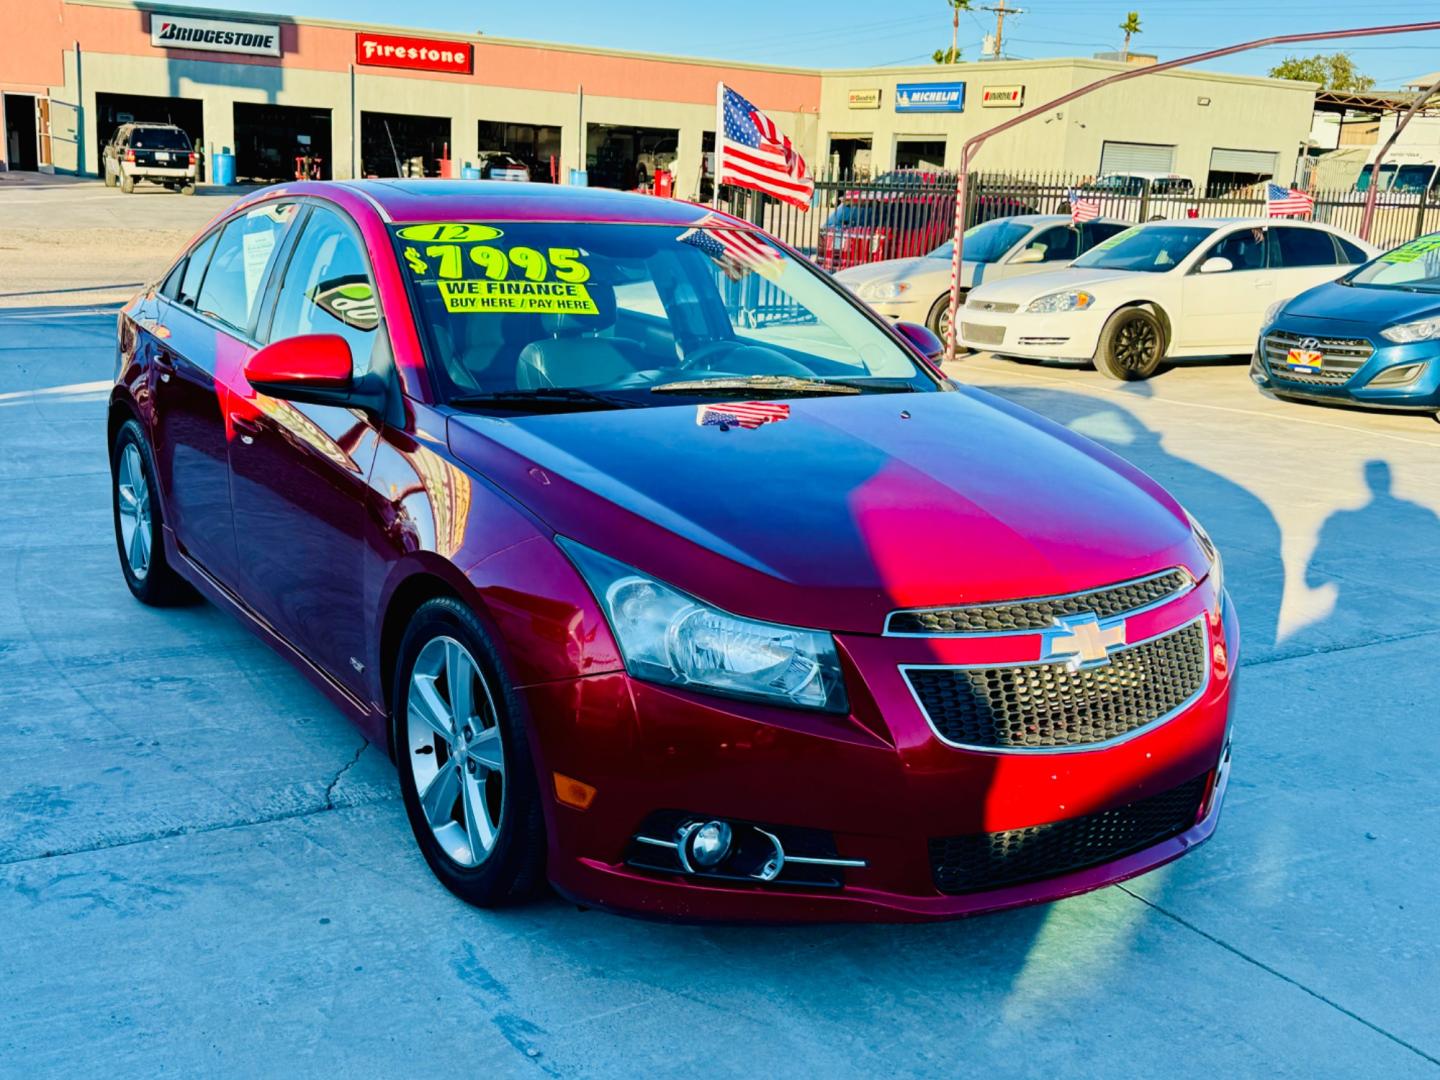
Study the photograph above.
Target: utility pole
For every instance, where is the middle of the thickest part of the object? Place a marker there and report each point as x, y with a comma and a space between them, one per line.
1000, 12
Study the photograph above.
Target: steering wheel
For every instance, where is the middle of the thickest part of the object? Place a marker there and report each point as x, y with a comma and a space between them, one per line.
744, 359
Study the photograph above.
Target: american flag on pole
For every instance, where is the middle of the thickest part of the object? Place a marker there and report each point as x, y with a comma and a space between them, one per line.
736, 251
750, 151
1287, 202
1083, 209
743, 414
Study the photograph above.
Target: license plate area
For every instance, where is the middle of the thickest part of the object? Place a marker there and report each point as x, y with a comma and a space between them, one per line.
1305, 360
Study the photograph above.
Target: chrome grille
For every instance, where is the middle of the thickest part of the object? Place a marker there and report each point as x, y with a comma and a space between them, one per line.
992, 305
1340, 358
982, 335
1030, 616
1049, 706
962, 864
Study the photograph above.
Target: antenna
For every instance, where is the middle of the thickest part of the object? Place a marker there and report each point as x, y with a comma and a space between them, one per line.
1000, 12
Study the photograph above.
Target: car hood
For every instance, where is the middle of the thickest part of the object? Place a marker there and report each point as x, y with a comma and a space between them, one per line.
1021, 290
845, 510
921, 273
1375, 307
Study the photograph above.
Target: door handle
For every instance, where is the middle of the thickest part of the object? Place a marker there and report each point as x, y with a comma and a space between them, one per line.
247, 427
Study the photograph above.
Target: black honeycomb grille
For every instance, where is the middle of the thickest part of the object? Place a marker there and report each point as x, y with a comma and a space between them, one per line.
1025, 616
1041, 706
963, 864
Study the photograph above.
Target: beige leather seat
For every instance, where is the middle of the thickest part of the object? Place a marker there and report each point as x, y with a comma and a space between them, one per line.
571, 355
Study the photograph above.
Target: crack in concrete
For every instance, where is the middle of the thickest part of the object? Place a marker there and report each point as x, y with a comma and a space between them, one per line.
1188, 925
335, 780
1327, 650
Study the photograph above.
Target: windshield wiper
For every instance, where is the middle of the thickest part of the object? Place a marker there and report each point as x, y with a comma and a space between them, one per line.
785, 384
543, 398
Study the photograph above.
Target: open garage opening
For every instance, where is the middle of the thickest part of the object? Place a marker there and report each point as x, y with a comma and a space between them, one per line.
112, 110
400, 144
281, 142
500, 146
623, 157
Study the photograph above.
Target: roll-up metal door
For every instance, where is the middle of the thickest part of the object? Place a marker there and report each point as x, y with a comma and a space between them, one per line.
1259, 162
1128, 157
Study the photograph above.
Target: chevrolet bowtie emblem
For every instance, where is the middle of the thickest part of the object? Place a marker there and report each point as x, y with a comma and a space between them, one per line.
1083, 641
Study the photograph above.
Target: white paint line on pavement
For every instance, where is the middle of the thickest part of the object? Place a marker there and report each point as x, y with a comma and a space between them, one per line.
19, 397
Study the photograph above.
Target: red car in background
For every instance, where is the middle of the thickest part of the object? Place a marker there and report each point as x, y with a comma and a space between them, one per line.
696, 599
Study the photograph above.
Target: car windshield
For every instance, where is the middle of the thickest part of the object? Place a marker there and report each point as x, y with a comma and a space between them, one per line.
562, 315
159, 139
1414, 266
1152, 249
986, 243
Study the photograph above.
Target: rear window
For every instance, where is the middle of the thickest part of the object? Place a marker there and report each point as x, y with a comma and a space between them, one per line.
159, 139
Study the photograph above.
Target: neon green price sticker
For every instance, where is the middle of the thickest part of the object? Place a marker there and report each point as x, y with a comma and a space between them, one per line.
475, 296
1416, 249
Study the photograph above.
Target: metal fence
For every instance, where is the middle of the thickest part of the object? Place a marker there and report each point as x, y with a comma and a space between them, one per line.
856, 221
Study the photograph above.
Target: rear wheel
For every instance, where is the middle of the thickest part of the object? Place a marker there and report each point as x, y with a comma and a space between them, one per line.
466, 774
109, 176
127, 183
138, 525
1131, 345
187, 188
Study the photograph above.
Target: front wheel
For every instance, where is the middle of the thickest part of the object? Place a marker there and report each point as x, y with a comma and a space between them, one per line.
939, 318
138, 526
466, 774
1131, 345
109, 176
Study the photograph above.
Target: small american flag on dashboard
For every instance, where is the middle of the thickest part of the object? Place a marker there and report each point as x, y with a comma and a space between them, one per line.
1083, 209
750, 151
736, 251
1287, 202
744, 414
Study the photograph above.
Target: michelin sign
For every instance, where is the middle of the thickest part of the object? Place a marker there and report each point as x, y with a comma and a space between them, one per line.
930, 97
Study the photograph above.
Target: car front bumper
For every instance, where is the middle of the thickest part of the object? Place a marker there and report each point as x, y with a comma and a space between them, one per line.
880, 783
1343, 387
1069, 335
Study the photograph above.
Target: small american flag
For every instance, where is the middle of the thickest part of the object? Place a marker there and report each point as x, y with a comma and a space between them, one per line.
736, 251
1287, 202
745, 414
1083, 209
750, 151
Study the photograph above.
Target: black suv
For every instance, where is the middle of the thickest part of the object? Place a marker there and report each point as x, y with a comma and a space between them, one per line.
160, 153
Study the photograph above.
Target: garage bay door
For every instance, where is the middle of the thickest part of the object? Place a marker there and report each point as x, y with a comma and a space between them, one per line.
1129, 157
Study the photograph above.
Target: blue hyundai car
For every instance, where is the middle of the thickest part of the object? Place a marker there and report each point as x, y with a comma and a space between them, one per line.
1370, 338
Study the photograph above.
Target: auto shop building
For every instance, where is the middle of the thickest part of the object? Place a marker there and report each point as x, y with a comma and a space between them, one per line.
341, 99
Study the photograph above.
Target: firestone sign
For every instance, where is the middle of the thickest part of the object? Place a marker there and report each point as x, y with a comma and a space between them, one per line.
418, 54
214, 35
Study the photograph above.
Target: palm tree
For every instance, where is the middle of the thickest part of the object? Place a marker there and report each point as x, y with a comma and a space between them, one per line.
953, 56
1131, 25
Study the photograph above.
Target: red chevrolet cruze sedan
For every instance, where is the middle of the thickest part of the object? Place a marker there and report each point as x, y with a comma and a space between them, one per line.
664, 569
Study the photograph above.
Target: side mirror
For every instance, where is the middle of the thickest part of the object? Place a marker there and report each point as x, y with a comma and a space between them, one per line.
1216, 264
313, 367
1029, 255
925, 341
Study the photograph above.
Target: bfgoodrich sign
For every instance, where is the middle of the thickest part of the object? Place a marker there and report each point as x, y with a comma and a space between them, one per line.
214, 35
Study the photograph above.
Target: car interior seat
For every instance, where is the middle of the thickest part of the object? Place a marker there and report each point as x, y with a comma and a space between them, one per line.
572, 352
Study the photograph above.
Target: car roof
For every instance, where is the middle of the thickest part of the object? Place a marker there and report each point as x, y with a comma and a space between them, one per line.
1054, 219
498, 200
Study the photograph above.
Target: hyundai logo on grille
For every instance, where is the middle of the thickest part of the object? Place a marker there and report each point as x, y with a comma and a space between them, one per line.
1310, 344
1083, 641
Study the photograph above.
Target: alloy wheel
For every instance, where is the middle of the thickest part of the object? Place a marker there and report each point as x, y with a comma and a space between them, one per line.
133, 495
456, 750
1135, 345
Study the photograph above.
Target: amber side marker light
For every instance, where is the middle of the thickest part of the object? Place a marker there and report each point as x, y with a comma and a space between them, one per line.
573, 792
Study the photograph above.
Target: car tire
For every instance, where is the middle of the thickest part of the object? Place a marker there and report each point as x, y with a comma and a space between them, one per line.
127, 184
463, 786
139, 527
940, 316
1132, 345
187, 189
109, 176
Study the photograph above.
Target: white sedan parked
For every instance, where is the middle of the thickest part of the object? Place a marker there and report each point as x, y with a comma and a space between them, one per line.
1165, 288
918, 290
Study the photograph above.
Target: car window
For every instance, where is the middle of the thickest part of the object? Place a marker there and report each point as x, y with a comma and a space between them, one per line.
328, 288
1093, 232
1058, 244
160, 139
1153, 249
987, 242
1351, 253
231, 289
195, 269
1414, 266
1245, 248
1293, 246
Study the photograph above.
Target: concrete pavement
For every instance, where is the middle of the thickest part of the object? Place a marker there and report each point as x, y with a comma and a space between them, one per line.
205, 870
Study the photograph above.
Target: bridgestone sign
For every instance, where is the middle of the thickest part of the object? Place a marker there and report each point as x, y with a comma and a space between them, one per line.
214, 35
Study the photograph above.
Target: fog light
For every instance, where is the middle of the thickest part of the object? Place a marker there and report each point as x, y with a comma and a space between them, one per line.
710, 843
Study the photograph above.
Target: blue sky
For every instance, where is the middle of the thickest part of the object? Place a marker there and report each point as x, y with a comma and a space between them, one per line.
856, 33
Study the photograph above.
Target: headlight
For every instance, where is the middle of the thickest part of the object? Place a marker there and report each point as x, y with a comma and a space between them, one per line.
882, 290
1212, 553
1062, 301
1270, 314
667, 636
1405, 333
